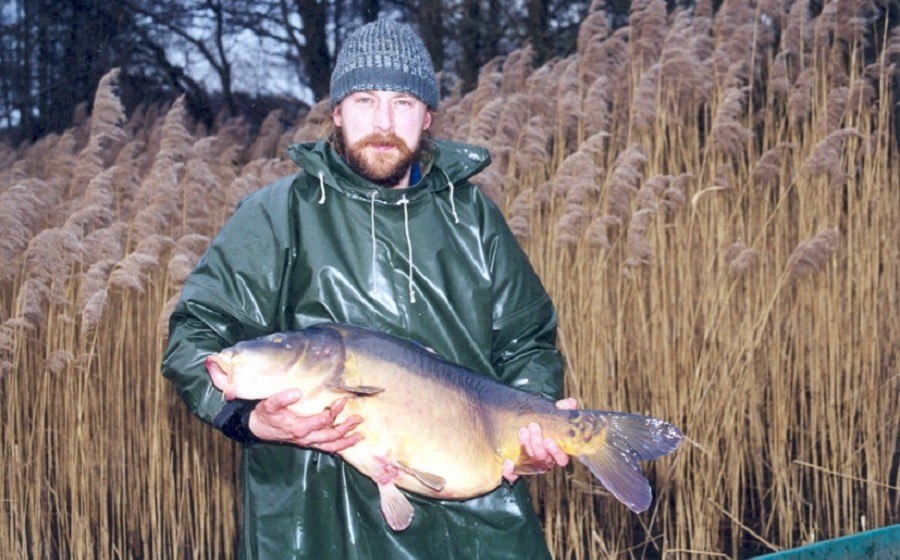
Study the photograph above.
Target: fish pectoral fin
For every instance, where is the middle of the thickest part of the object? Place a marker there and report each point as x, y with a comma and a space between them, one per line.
528, 469
359, 390
432, 481
395, 507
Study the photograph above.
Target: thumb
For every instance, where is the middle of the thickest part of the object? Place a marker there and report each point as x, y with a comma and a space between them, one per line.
285, 398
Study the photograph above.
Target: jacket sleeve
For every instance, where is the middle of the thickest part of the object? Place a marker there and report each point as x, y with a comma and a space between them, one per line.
233, 294
524, 353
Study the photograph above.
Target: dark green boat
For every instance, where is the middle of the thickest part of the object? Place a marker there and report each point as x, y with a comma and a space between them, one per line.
877, 544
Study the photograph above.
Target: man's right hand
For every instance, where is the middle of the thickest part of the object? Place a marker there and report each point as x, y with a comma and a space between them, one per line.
273, 420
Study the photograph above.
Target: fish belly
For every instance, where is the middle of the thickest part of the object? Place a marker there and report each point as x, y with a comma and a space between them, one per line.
421, 424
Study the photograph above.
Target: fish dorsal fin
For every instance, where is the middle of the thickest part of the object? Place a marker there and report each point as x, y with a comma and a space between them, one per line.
432, 481
395, 507
358, 390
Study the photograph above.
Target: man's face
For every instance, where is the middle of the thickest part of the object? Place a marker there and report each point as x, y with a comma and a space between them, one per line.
382, 131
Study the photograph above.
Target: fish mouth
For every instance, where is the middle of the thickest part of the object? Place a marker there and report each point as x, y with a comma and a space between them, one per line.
220, 372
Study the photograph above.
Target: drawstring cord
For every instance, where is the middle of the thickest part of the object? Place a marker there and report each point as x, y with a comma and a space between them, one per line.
412, 291
404, 202
372, 217
452, 201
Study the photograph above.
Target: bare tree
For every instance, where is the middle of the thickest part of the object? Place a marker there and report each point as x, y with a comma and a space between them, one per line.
203, 26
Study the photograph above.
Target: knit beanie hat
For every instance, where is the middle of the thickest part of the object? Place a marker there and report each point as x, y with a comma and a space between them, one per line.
385, 56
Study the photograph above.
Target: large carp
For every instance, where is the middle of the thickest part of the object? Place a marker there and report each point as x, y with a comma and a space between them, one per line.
430, 426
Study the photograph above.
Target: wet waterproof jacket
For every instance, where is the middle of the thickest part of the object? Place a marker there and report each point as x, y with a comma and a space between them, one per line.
434, 263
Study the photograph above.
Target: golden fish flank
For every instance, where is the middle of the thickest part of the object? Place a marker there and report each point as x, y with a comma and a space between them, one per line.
433, 427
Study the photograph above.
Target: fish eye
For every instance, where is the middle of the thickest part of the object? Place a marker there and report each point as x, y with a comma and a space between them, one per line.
276, 339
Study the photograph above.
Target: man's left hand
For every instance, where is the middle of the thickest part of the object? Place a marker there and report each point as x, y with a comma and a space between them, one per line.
541, 454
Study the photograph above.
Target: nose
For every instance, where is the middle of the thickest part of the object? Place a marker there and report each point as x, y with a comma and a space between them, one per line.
384, 117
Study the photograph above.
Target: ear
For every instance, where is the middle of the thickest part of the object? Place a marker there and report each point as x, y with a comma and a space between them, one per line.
336, 116
426, 122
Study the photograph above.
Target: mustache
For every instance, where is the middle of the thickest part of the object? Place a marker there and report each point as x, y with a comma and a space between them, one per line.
379, 139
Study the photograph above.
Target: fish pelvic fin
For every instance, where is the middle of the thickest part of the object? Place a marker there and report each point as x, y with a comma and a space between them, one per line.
614, 445
395, 507
432, 481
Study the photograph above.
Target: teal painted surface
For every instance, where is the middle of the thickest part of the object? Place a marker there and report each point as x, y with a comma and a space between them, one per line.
877, 544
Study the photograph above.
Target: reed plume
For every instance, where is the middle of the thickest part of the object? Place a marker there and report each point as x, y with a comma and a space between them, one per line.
811, 255
106, 134
489, 79
133, 271
602, 231
624, 181
482, 129
516, 68
314, 123
269, 137
826, 157
94, 281
728, 134
648, 31
741, 259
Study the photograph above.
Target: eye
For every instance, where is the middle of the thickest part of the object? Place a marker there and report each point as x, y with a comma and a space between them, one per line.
276, 339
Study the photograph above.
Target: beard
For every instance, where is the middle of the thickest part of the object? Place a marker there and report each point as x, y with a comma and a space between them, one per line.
385, 169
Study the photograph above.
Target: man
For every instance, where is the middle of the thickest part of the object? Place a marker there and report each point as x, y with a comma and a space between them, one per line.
380, 229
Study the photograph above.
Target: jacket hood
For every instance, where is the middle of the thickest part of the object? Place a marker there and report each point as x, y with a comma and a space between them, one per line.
449, 163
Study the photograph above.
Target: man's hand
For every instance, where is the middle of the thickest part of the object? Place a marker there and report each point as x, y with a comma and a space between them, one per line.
272, 420
542, 454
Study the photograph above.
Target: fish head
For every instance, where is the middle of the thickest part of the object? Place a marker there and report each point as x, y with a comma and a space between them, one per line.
259, 368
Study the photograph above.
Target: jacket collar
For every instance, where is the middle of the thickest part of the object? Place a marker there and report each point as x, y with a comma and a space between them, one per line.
449, 162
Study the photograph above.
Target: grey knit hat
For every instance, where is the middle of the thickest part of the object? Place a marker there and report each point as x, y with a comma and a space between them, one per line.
386, 56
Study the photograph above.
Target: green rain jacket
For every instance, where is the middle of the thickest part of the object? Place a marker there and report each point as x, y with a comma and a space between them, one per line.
434, 263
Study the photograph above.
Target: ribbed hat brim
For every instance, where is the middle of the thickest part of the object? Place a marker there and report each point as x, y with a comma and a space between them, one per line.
384, 79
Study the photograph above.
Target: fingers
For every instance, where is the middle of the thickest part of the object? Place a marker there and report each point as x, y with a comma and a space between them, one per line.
281, 400
337, 406
542, 452
327, 433
558, 455
508, 471
525, 441
567, 404
340, 444
274, 420
538, 451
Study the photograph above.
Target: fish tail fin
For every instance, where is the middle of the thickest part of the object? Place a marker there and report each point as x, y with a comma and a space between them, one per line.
614, 444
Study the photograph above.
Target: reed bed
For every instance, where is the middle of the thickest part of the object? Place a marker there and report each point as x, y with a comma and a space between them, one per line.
711, 200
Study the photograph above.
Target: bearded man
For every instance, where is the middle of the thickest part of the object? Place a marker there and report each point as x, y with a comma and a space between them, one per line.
381, 229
